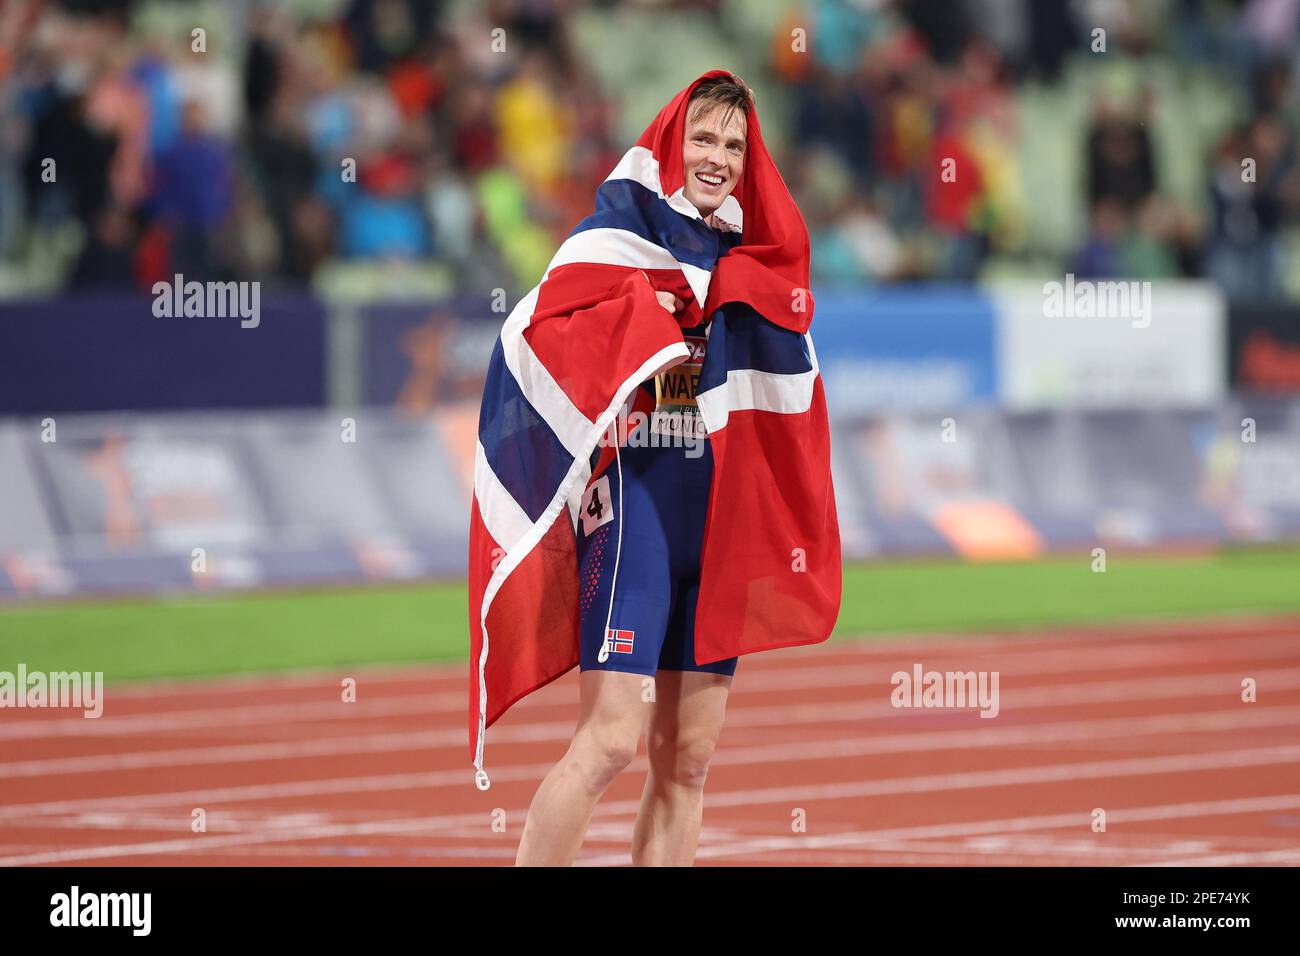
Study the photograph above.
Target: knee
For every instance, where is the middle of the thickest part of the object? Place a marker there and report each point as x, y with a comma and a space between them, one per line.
603, 756
682, 759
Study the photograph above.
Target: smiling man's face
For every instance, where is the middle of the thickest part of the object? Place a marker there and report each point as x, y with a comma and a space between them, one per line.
713, 155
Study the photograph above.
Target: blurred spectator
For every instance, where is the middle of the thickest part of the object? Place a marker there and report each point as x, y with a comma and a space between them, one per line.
470, 137
107, 257
1254, 188
1121, 166
1108, 226
69, 159
192, 195
1053, 35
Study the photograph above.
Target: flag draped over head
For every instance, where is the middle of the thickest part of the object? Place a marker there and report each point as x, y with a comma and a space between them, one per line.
569, 358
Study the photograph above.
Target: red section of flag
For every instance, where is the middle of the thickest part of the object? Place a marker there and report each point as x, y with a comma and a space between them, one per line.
594, 325
771, 561
540, 599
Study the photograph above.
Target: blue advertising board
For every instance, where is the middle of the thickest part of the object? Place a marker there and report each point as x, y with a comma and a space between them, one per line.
905, 349
112, 351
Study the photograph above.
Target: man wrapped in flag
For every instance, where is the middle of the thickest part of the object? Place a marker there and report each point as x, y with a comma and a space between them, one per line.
652, 492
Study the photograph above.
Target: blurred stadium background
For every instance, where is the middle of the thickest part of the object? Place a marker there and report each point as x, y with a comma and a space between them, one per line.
186, 497
321, 461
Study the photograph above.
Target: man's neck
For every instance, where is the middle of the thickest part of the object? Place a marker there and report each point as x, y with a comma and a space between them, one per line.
711, 220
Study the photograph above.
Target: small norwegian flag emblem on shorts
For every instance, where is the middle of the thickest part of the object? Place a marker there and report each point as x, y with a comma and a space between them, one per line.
620, 642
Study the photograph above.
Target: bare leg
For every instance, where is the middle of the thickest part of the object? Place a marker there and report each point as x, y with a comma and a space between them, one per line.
610, 722
684, 727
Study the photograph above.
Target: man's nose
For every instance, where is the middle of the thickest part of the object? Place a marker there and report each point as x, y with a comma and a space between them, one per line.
718, 156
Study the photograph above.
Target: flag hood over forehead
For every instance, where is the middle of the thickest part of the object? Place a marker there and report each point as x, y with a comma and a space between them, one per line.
769, 268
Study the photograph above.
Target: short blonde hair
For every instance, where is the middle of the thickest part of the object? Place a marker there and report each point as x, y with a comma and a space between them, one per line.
728, 92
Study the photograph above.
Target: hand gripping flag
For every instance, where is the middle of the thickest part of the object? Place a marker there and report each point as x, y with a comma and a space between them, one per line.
569, 358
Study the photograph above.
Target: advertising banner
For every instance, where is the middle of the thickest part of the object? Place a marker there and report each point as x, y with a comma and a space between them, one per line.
905, 348
162, 502
419, 356
1089, 344
1264, 348
114, 352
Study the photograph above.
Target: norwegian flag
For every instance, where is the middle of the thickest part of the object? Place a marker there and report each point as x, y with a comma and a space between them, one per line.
569, 358
620, 642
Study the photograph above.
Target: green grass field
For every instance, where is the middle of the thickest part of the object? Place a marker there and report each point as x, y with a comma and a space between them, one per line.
204, 635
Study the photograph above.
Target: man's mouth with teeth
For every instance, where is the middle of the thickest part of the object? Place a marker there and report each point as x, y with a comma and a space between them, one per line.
710, 179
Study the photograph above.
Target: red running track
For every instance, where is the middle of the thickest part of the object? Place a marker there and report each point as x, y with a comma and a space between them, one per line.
1145, 723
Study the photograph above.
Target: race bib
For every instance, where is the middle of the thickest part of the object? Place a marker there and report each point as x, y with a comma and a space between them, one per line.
597, 508
677, 414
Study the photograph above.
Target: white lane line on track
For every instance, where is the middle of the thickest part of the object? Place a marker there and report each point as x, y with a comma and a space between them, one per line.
881, 644
251, 715
778, 671
380, 783
415, 704
1013, 701
187, 688
1236, 859
795, 795
867, 838
215, 841
873, 857
1044, 665
857, 745
1222, 685
765, 844
1014, 736
307, 788
1015, 776
1094, 851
